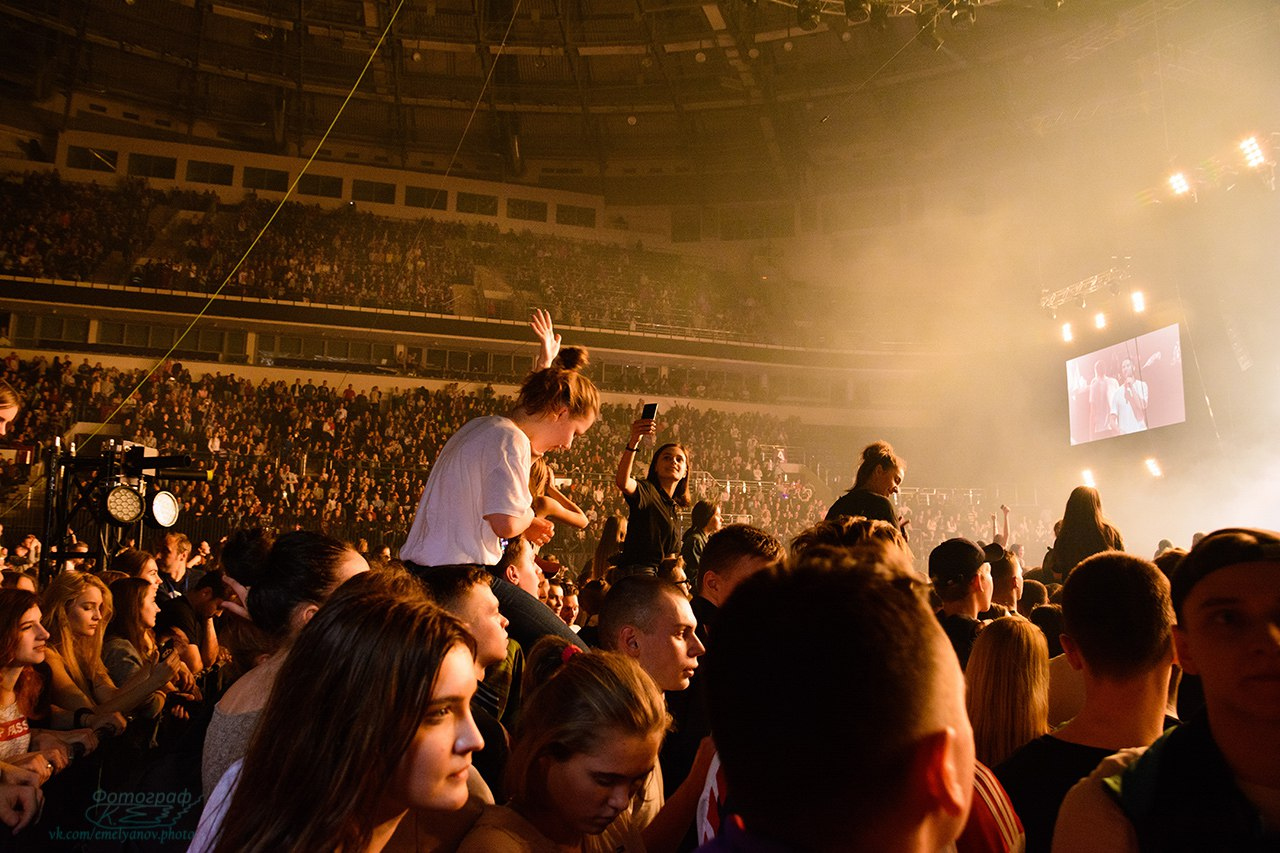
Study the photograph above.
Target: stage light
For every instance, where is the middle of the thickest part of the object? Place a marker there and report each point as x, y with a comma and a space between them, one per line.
164, 510
1086, 476
1100, 320
1139, 302
123, 505
1253, 156
1067, 337
1178, 182
1153, 468
808, 14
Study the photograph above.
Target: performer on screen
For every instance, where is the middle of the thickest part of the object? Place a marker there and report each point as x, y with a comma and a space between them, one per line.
1129, 401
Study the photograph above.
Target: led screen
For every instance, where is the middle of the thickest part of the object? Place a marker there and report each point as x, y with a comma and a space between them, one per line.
1128, 387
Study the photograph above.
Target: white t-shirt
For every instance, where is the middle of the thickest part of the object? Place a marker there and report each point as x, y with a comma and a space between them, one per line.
215, 810
482, 470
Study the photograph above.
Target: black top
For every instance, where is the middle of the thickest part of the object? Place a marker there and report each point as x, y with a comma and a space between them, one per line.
651, 527
961, 630
1037, 778
864, 503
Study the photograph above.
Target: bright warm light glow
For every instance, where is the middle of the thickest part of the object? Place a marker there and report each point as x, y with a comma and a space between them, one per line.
1066, 333
1087, 477
1153, 467
1139, 302
1253, 155
1100, 320
1179, 184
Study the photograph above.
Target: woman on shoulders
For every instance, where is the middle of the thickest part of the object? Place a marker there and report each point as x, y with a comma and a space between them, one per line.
874, 486
1084, 532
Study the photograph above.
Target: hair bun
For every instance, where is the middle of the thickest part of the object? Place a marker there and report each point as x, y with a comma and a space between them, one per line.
244, 556
572, 358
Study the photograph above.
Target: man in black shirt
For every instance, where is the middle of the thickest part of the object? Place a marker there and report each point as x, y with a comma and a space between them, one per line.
1118, 618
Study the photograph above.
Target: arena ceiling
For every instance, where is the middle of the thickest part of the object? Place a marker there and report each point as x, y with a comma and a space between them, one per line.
666, 98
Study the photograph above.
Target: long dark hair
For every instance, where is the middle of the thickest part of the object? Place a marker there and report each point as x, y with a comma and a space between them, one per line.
14, 603
1084, 531
294, 569
346, 705
681, 494
129, 594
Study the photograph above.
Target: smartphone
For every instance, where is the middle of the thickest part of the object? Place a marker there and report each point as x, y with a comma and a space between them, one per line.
649, 412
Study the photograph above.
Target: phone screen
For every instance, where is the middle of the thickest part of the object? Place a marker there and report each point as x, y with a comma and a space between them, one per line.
649, 412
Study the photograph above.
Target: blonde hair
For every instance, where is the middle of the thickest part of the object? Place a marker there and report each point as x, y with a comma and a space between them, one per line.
1008, 697
81, 655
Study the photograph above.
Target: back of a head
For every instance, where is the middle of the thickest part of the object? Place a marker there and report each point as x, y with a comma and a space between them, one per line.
561, 386
731, 544
634, 600
1008, 678
1117, 610
574, 701
294, 569
371, 654
952, 567
856, 671
847, 532
1048, 618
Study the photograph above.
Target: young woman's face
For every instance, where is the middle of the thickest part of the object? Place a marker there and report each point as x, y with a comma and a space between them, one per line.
671, 465
31, 639
150, 610
85, 613
589, 790
556, 430
150, 572
433, 772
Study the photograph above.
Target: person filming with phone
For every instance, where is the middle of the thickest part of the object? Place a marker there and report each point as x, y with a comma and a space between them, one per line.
654, 503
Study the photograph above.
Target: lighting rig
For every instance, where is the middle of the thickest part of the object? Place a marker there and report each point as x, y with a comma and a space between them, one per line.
116, 492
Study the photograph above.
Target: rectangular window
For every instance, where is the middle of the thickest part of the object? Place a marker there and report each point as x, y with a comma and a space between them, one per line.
383, 354
274, 180
430, 198
573, 214
203, 172
110, 332
527, 210
93, 159
373, 191
482, 205
151, 166
326, 186
162, 337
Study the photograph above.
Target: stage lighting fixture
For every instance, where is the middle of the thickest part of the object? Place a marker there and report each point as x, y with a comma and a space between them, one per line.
1086, 476
808, 14
1153, 468
879, 17
1179, 183
1139, 302
857, 11
123, 506
963, 13
164, 509
1253, 156
1100, 320
1067, 337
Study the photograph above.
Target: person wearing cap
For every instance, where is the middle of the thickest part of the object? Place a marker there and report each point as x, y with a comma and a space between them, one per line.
961, 576
1212, 783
